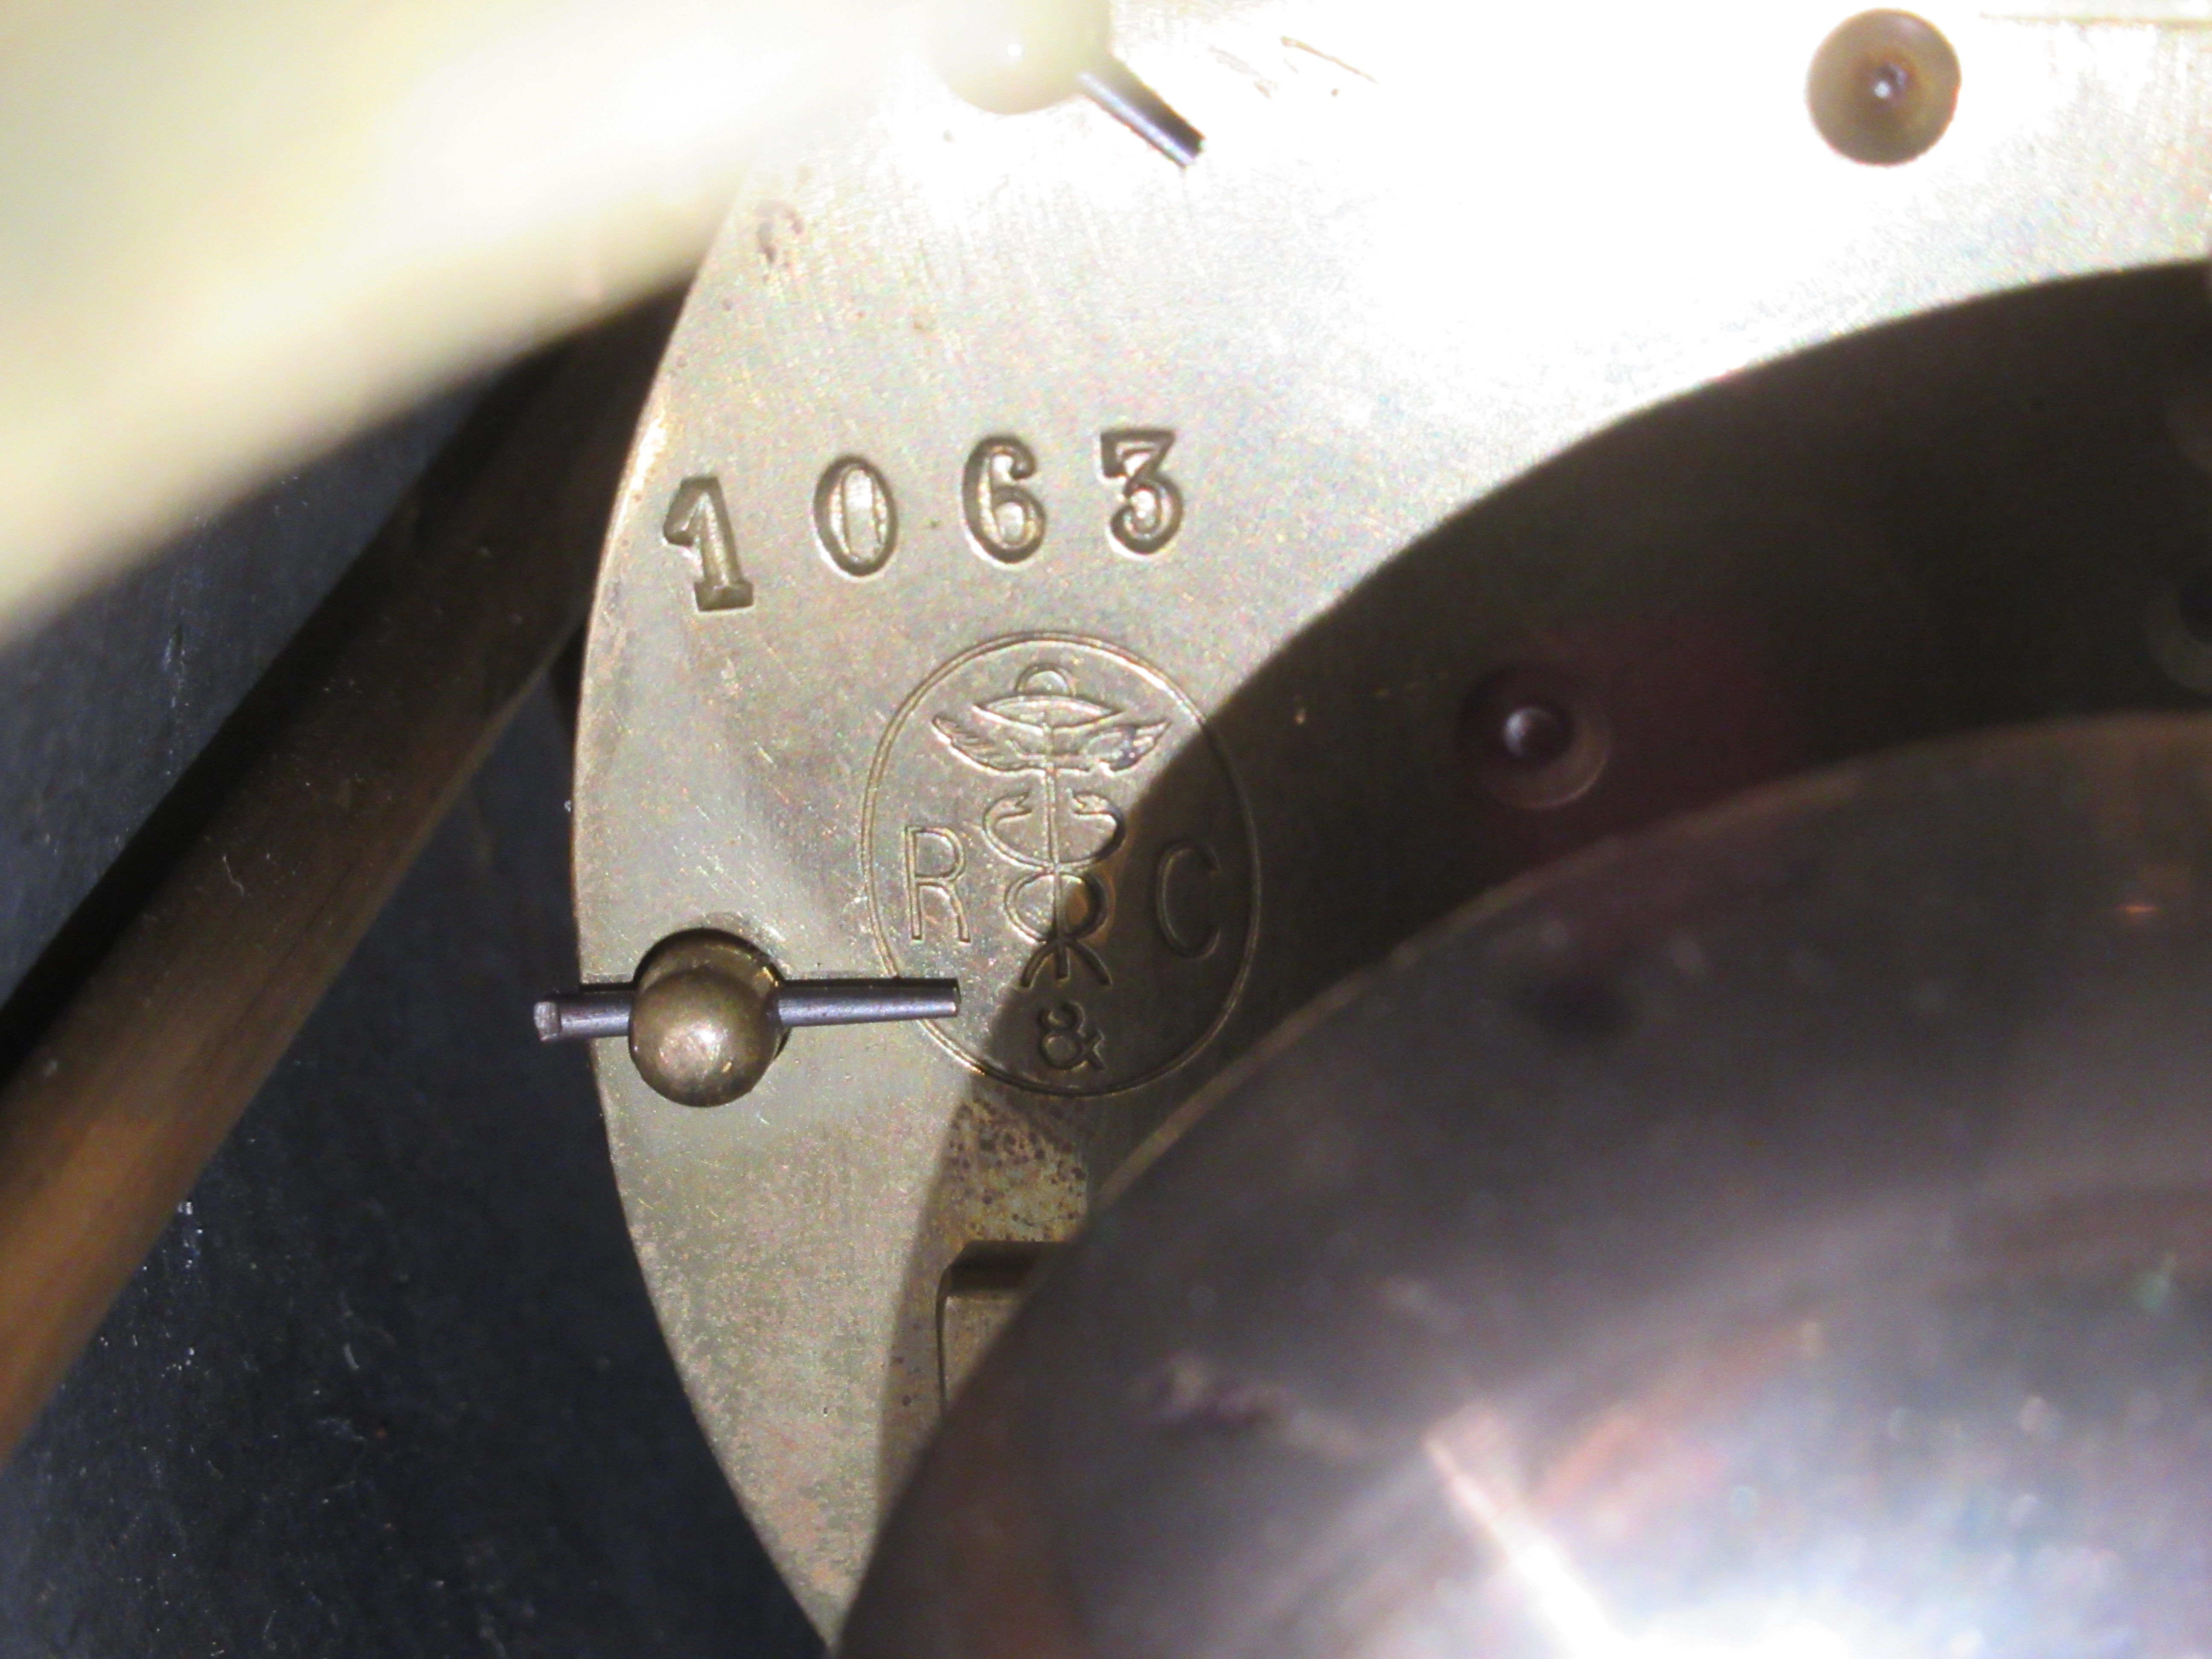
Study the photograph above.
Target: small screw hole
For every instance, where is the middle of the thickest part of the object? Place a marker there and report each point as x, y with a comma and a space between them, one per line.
1533, 737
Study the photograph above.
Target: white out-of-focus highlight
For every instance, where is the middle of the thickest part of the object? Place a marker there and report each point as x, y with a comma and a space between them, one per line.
236, 230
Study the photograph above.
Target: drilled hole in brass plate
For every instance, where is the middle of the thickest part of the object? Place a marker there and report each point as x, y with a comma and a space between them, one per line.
1534, 735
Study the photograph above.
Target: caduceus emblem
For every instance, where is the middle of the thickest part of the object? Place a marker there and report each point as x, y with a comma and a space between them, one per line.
1056, 833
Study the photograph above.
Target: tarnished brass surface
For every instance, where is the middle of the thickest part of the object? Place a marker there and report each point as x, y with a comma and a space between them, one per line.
994, 455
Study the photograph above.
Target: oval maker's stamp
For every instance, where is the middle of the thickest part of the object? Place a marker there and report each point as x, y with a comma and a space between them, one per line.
1049, 821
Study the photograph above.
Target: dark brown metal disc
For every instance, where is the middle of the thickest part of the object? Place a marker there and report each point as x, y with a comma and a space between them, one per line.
1788, 1233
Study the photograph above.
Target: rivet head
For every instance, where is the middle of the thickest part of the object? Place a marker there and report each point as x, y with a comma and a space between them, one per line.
1883, 88
702, 1026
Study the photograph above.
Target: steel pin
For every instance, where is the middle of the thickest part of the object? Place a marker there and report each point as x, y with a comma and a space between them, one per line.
707, 1014
596, 1011
603, 1010
1113, 86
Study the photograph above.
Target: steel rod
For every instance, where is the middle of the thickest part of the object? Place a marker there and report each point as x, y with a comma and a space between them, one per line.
596, 1011
865, 1002
603, 1010
1114, 87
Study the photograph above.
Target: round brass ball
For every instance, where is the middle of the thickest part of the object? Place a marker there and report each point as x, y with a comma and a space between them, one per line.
702, 1025
1013, 56
1883, 88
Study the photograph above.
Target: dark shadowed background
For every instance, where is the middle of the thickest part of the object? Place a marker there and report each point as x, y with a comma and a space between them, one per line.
389, 1385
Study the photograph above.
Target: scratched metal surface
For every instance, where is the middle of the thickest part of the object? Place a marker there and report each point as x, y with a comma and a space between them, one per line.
1375, 299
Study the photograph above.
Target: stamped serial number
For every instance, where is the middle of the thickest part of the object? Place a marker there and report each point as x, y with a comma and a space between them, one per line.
855, 513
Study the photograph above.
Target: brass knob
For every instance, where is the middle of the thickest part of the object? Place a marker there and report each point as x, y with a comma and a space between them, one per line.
706, 1013
702, 1024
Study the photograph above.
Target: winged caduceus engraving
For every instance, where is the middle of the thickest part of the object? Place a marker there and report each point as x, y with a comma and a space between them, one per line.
1056, 834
